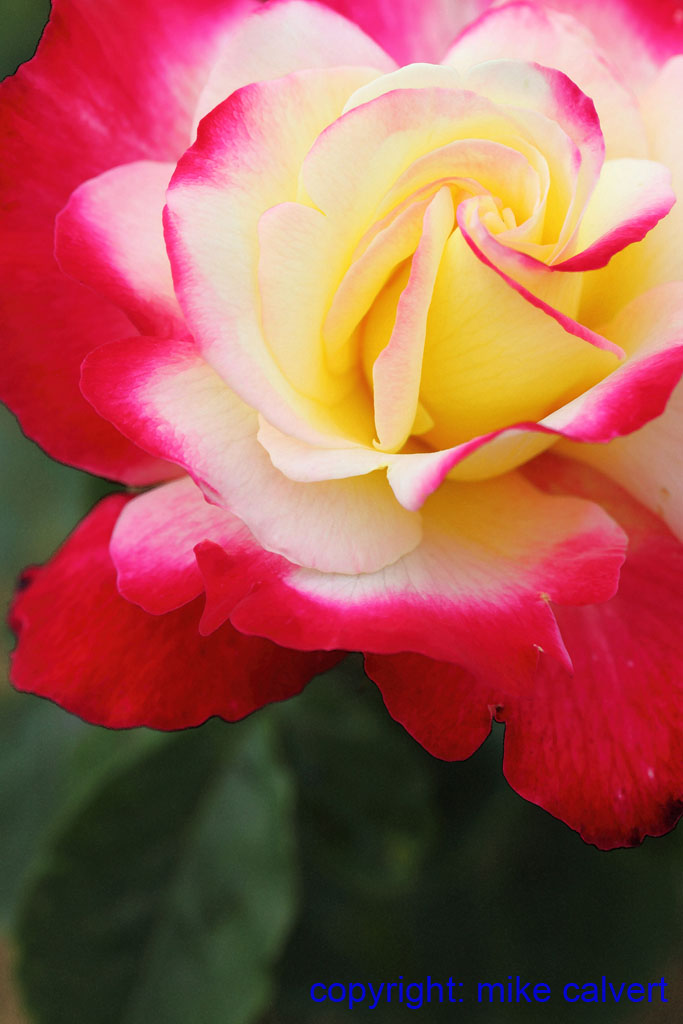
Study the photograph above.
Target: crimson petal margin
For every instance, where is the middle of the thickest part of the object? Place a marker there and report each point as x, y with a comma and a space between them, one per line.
442, 706
615, 745
475, 592
107, 64
100, 657
596, 747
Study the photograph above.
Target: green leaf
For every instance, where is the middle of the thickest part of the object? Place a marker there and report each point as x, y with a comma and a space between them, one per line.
168, 891
36, 740
42, 500
22, 22
366, 795
366, 806
495, 886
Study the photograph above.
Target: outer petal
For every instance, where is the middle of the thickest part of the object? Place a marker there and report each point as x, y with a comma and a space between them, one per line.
106, 116
110, 236
163, 394
406, 32
638, 38
283, 37
601, 748
152, 545
475, 592
85, 647
442, 706
44, 344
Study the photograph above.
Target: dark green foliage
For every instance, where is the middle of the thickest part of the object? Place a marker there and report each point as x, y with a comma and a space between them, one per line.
167, 889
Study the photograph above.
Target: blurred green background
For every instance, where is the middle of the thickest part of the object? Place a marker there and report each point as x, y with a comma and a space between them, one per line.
214, 876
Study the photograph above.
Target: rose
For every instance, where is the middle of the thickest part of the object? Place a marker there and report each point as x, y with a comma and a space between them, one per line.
382, 295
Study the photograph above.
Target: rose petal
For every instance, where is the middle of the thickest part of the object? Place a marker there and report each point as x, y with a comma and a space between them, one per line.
631, 196
401, 117
597, 747
657, 258
97, 655
166, 51
442, 706
153, 541
110, 236
647, 463
651, 328
637, 38
559, 99
277, 39
300, 262
474, 592
247, 158
467, 167
162, 393
602, 749
364, 279
535, 33
397, 369
394, 24
496, 353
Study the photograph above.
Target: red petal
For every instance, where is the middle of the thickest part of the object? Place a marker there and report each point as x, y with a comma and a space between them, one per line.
85, 647
110, 83
442, 706
407, 30
602, 748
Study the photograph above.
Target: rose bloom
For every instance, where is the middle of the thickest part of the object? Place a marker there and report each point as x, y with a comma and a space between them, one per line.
376, 311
